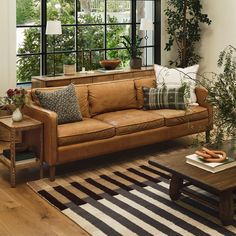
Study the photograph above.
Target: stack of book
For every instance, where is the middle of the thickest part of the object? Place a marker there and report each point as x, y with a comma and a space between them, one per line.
212, 167
22, 157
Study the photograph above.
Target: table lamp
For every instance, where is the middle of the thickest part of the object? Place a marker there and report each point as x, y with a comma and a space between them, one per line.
146, 25
53, 28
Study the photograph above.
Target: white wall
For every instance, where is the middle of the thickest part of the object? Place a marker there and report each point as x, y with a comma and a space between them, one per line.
215, 37
7, 45
219, 34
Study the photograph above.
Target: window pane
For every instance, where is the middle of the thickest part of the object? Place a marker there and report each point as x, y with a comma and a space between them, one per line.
60, 60
69, 58
118, 11
27, 66
90, 37
63, 42
91, 12
148, 36
149, 54
121, 54
27, 12
28, 40
63, 11
90, 59
58, 64
145, 9
114, 33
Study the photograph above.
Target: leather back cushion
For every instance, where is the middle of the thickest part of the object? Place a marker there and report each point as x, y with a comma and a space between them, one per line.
81, 93
149, 82
112, 96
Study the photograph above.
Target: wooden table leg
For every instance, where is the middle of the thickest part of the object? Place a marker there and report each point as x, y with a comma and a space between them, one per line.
13, 177
226, 207
41, 153
176, 184
52, 170
13, 158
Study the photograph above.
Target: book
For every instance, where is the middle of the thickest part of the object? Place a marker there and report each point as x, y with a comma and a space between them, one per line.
22, 157
212, 167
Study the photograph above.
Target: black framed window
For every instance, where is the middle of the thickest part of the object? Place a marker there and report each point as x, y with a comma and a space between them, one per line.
91, 31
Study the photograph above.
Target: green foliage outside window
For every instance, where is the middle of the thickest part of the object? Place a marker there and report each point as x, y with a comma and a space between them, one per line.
26, 11
88, 38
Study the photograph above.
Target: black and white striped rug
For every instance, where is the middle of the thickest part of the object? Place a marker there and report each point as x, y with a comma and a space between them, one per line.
129, 200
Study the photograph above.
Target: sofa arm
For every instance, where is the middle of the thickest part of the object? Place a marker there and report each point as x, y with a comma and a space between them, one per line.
202, 94
49, 120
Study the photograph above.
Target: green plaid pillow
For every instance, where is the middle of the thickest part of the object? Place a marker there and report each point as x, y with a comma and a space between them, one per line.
164, 98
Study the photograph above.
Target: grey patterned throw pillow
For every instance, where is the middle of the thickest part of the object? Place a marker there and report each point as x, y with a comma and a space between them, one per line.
63, 102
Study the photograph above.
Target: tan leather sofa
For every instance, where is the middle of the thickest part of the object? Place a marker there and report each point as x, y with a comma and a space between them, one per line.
113, 120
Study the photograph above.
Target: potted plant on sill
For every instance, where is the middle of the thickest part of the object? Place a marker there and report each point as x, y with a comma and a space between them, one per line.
134, 51
69, 67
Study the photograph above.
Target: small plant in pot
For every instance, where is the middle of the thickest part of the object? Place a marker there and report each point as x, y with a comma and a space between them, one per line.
134, 51
69, 67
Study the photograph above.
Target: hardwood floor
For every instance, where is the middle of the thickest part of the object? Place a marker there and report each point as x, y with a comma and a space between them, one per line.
22, 212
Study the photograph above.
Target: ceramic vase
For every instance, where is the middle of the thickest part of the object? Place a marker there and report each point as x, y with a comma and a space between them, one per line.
17, 115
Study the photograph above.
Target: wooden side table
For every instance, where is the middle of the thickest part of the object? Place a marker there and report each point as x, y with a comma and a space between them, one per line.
32, 135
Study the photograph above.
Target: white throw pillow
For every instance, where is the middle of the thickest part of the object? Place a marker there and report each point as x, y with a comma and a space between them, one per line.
172, 77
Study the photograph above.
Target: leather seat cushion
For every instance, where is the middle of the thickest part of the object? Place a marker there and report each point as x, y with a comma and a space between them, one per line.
176, 117
131, 121
83, 131
148, 82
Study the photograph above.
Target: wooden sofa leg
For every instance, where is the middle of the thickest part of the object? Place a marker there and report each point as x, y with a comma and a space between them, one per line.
52, 171
208, 132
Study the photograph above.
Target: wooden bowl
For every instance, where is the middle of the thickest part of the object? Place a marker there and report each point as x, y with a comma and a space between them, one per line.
109, 64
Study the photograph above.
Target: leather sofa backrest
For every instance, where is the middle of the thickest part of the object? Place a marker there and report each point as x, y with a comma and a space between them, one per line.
112, 96
108, 96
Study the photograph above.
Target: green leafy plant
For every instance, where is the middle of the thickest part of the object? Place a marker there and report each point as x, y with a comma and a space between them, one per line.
183, 27
69, 59
133, 49
25, 10
222, 94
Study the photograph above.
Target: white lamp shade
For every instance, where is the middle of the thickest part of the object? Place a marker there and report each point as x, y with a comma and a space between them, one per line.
146, 24
53, 27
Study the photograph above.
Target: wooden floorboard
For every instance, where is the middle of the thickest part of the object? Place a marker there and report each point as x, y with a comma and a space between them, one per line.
22, 212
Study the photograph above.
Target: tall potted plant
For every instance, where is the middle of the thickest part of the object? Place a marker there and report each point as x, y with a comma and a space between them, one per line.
183, 27
134, 51
222, 95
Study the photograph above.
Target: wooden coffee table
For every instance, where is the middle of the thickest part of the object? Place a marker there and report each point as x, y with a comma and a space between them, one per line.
221, 184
